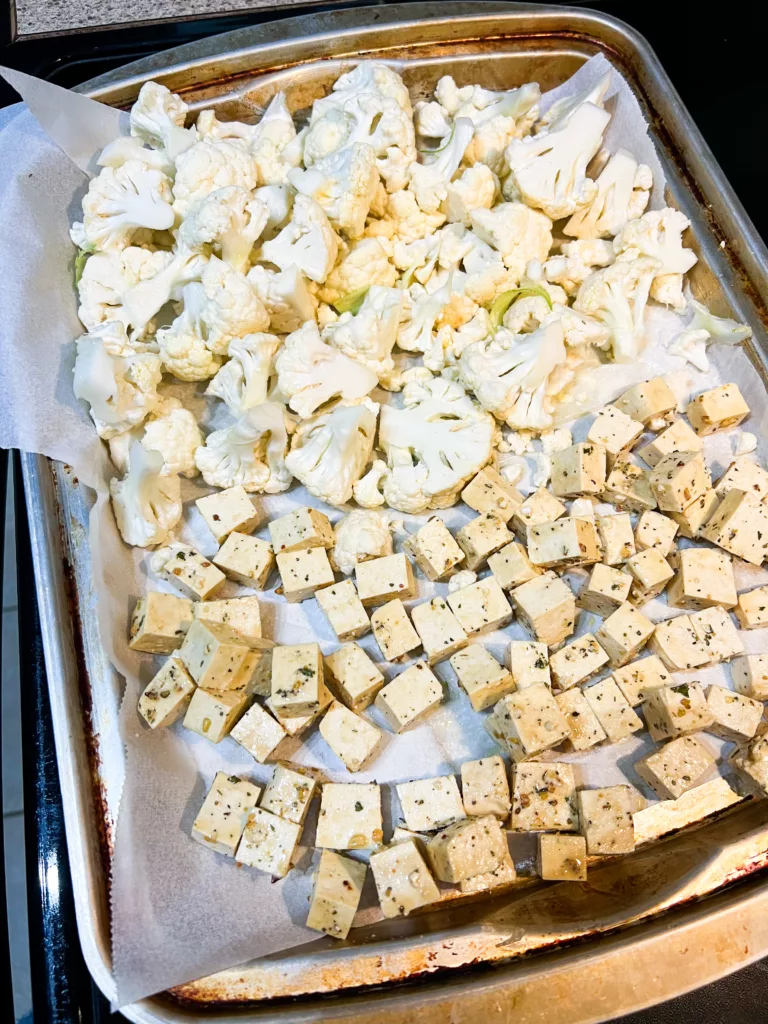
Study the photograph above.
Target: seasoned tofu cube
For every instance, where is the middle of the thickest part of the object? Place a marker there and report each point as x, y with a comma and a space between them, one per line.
241, 614
647, 401
562, 858
585, 727
639, 678
678, 437
434, 549
544, 797
703, 578
751, 762
298, 725
717, 633
355, 677
481, 607
616, 538
403, 880
193, 573
468, 848
745, 476
651, 573
352, 739
739, 525
628, 487
676, 767
677, 644
577, 662
167, 696
679, 479
546, 606
480, 537
539, 507
246, 560
259, 733
212, 715
490, 881
255, 674
511, 566
484, 787
288, 794
579, 469
692, 518
160, 622
605, 590
606, 820
750, 675
717, 409
623, 634
430, 804
221, 820
212, 654
268, 843
304, 572
490, 492
528, 661
297, 679
393, 631
527, 722
409, 696
615, 431
752, 608
613, 711
440, 631
735, 716
381, 579
655, 531
570, 541
350, 816
227, 511
303, 528
481, 677
344, 610
673, 711
336, 892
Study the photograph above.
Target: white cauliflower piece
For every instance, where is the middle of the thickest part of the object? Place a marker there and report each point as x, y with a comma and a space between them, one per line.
344, 184
577, 261
658, 235
358, 536
147, 505
251, 453
555, 441
422, 312
183, 348
125, 205
562, 109
431, 120
243, 381
125, 148
173, 431
286, 297
372, 76
474, 189
278, 200
157, 118
108, 276
616, 297
233, 307
461, 579
580, 330
145, 299
307, 241
518, 233
208, 166
448, 343
623, 191
429, 181
366, 264
367, 490
228, 220
404, 221
704, 329
691, 345
369, 335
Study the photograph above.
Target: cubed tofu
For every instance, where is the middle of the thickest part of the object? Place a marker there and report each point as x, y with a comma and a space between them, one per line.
481, 677
355, 677
350, 816
655, 531
297, 725
579, 469
434, 549
717, 633
409, 696
544, 797
303, 528
512, 567
735, 716
703, 578
481, 537
750, 675
562, 858
393, 631
539, 507
430, 804
613, 711
751, 762
485, 788
352, 739
676, 767
440, 631
577, 662
403, 880
585, 727
193, 573
221, 820
288, 794
605, 590
212, 715
717, 409
160, 622
502, 877
546, 606
381, 579
615, 431
490, 492
695, 515
628, 487
528, 661
639, 678
255, 674
259, 733
676, 643
241, 614
752, 608
745, 476
606, 820
336, 892
227, 511
212, 654
166, 698
481, 607
268, 843
616, 538
739, 525
297, 679
679, 479
673, 711
623, 634
246, 560
565, 542
647, 401
651, 573
344, 610
527, 722
468, 848
678, 437
303, 573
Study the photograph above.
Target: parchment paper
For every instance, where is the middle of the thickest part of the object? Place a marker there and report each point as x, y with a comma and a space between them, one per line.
180, 911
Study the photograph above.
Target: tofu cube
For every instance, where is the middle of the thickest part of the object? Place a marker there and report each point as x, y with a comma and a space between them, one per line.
481, 607
750, 675
512, 567
717, 633
579, 469
440, 631
679, 479
409, 696
350, 816
485, 789
752, 608
606, 820
297, 725
393, 631
651, 573
676, 767
468, 848
255, 674
352, 739
613, 711
212, 654
655, 531
288, 794
403, 880
259, 733
355, 677
167, 696
584, 724
564, 542
623, 634
615, 432
544, 798
481, 677
212, 715
717, 409
577, 662
430, 804
647, 401
528, 661
301, 529
303, 573
735, 716
160, 622
193, 573
628, 487
703, 578
677, 644
751, 762
481, 537
605, 590
336, 892
490, 492
616, 538
678, 437
381, 579
745, 476
434, 549
739, 525
221, 820
562, 858
268, 843
241, 614
695, 515
539, 507
246, 560
297, 679
673, 711
227, 511
490, 881
527, 722
546, 606
639, 678
344, 610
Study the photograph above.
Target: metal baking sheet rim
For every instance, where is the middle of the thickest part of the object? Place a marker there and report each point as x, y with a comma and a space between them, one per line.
745, 286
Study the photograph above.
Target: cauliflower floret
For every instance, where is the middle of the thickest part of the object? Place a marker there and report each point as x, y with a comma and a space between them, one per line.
461, 579
422, 311
405, 221
157, 118
109, 276
243, 381
278, 200
448, 343
580, 330
121, 150
617, 297
329, 452
691, 345
147, 505
623, 191
145, 299
173, 431
123, 203
230, 221
365, 265
367, 490
369, 335
658, 235
344, 184
210, 165
307, 241
704, 329
286, 297
358, 536
474, 189
233, 309
517, 232
577, 261
251, 453
431, 120
375, 77
183, 349
429, 181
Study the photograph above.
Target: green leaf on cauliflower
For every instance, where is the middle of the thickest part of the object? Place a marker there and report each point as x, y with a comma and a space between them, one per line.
502, 302
80, 260
351, 302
